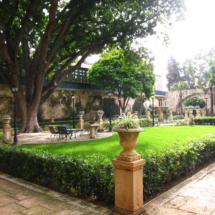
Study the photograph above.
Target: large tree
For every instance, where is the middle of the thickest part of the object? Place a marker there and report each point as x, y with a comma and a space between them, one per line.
37, 36
173, 75
125, 72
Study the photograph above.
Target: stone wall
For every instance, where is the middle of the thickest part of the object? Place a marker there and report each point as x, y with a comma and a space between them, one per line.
56, 110
173, 98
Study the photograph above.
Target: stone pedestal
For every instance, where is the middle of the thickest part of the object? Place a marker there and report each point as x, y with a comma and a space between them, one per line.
160, 110
81, 122
136, 113
190, 114
203, 112
52, 119
92, 130
186, 114
147, 114
7, 130
128, 186
100, 122
198, 113
170, 115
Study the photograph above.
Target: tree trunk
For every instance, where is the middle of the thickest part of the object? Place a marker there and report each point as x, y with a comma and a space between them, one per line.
211, 95
28, 113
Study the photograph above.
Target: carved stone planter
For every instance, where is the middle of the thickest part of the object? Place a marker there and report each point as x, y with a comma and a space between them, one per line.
128, 140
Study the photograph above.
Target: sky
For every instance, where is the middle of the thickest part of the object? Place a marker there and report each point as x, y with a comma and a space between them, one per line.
188, 37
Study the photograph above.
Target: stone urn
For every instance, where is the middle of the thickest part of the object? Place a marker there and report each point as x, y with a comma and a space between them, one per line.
7, 130
6, 121
128, 140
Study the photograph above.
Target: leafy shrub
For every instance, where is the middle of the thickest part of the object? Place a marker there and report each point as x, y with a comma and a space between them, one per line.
172, 163
61, 173
127, 121
204, 121
106, 124
177, 117
145, 122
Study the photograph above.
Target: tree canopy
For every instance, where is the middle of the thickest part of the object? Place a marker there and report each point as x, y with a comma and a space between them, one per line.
193, 71
195, 101
38, 36
123, 71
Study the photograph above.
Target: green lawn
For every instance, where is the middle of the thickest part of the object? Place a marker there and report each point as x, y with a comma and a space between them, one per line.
153, 138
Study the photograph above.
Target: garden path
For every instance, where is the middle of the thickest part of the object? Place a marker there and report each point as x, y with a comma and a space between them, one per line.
45, 137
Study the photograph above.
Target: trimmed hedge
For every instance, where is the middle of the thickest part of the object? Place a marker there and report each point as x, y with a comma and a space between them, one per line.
76, 175
94, 175
204, 121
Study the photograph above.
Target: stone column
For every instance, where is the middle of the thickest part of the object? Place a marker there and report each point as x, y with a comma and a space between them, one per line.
186, 114
170, 115
100, 122
147, 114
136, 113
190, 114
203, 112
7, 130
81, 122
128, 186
94, 115
160, 114
92, 131
52, 118
198, 113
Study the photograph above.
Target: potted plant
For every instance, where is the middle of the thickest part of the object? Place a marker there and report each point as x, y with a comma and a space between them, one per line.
81, 112
128, 128
6, 118
100, 112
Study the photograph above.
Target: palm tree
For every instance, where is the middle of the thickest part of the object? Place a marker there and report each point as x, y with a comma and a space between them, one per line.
181, 85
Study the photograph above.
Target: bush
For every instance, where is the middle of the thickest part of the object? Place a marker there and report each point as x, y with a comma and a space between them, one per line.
93, 176
204, 121
174, 162
145, 122
77, 175
177, 117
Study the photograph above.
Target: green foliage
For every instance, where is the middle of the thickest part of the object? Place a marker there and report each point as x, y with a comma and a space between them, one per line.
145, 123
184, 122
194, 71
53, 38
195, 101
173, 75
181, 85
93, 176
177, 117
125, 72
204, 121
212, 72
127, 121
174, 162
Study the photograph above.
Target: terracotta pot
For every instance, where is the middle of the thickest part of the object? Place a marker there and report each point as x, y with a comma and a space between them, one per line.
128, 140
